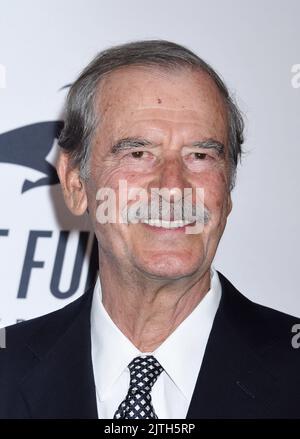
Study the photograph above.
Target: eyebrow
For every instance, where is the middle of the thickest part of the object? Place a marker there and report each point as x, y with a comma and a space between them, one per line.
129, 142
136, 142
211, 144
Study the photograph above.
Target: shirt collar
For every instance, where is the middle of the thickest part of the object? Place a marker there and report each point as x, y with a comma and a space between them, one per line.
180, 354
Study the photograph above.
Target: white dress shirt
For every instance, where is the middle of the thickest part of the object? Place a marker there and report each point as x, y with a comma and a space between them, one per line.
180, 355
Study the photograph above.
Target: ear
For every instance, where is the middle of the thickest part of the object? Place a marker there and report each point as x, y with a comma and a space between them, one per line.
229, 204
73, 187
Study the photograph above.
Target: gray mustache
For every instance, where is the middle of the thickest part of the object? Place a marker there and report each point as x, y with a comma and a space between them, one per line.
167, 211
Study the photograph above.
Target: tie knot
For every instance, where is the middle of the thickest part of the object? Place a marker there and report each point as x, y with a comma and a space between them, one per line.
144, 371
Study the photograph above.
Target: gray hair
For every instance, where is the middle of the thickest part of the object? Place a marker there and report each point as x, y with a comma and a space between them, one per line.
81, 120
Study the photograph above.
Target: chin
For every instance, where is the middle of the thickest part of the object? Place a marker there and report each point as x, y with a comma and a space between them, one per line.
170, 267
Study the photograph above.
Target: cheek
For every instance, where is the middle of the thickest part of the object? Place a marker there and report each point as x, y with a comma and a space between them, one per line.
112, 178
109, 175
215, 191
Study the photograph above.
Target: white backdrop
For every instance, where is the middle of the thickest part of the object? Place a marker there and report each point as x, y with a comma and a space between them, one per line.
253, 44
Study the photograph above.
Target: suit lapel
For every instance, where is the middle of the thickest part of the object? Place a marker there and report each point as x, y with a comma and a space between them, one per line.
61, 382
233, 381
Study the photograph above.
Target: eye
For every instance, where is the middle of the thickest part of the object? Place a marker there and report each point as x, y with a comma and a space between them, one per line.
200, 155
137, 154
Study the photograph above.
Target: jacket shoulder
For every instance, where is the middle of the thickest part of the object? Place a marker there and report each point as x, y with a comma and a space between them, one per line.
46, 327
244, 310
30, 342
270, 333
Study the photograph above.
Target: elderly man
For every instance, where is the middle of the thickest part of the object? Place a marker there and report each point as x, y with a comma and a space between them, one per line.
162, 334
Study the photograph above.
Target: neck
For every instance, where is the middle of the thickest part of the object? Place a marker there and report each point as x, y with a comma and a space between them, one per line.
146, 309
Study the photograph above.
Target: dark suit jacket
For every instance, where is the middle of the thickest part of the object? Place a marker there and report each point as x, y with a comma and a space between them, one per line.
250, 369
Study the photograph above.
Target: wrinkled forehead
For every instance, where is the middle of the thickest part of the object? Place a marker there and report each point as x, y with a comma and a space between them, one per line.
149, 87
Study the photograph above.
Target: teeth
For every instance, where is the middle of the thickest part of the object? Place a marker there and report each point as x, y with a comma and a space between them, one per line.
166, 224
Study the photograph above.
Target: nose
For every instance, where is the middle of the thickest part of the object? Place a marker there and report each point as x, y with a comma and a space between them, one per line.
172, 176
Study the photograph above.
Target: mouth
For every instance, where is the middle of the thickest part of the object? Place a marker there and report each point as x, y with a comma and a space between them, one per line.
163, 225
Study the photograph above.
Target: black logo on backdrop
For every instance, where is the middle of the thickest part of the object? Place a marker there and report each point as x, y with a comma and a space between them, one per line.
29, 146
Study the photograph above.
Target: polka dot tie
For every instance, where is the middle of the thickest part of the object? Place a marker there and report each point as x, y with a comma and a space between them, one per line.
144, 372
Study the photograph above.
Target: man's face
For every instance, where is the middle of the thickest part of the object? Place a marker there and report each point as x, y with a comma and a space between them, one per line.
165, 115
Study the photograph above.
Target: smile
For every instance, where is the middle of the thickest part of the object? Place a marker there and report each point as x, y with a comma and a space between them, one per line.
167, 224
